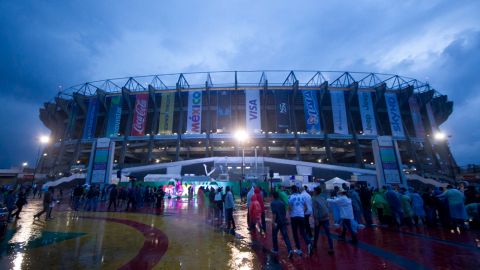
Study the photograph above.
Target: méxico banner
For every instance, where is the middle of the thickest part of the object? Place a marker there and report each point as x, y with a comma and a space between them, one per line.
369, 125
71, 119
194, 114
252, 109
431, 117
166, 113
416, 117
224, 110
140, 115
339, 114
283, 110
312, 116
394, 115
90, 119
114, 116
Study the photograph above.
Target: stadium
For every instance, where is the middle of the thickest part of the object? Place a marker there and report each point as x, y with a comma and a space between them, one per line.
315, 123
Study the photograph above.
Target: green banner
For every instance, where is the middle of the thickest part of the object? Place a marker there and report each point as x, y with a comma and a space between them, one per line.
166, 113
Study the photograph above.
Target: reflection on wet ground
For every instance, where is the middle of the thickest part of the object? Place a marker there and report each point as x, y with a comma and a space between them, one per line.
179, 236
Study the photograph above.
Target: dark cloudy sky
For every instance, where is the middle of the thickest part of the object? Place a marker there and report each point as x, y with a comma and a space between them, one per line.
47, 44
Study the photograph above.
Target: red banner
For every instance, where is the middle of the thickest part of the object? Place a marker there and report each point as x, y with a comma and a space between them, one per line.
140, 115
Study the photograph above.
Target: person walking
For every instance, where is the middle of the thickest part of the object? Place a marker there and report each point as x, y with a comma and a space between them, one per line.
298, 205
417, 206
47, 200
112, 198
21, 201
321, 218
229, 207
308, 212
456, 206
259, 196
393, 199
10, 203
345, 211
255, 211
279, 218
249, 199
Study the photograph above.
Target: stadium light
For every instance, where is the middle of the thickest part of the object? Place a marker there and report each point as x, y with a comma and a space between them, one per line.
25, 164
440, 136
241, 136
44, 139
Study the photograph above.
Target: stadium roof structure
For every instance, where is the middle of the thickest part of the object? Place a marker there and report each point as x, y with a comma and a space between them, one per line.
250, 79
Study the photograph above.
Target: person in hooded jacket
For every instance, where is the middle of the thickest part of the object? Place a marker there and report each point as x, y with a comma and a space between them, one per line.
321, 218
259, 197
255, 211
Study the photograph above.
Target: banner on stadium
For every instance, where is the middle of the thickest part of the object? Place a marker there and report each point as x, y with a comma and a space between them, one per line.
369, 126
252, 109
416, 117
224, 111
283, 110
71, 119
431, 117
394, 115
388, 158
166, 113
194, 114
114, 116
101, 163
312, 115
90, 119
140, 114
339, 113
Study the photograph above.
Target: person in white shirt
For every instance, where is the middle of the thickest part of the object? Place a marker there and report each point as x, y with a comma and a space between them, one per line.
308, 211
298, 206
345, 210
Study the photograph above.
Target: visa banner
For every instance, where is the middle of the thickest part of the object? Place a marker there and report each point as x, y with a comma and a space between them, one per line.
339, 113
396, 124
140, 115
416, 117
369, 126
312, 115
252, 109
114, 116
194, 114
282, 108
90, 119
166, 113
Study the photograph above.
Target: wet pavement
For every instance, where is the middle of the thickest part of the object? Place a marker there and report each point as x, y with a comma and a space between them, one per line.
179, 236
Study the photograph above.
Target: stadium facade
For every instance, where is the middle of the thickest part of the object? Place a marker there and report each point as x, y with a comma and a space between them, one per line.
319, 117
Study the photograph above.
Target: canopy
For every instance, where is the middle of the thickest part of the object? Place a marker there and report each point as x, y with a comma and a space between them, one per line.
335, 182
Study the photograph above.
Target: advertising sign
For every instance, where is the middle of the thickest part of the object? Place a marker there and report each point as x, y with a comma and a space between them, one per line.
388, 160
194, 114
416, 117
90, 119
114, 116
369, 126
282, 108
140, 115
101, 165
394, 115
312, 116
252, 109
431, 117
166, 113
339, 114
224, 110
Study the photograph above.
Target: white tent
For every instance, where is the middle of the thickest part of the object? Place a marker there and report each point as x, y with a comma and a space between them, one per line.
336, 181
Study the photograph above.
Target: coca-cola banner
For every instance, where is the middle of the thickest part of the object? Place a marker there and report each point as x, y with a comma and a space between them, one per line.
339, 113
166, 113
369, 126
252, 109
90, 119
394, 115
416, 117
140, 115
194, 114
312, 116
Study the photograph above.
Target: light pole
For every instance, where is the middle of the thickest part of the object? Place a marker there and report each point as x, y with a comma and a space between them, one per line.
442, 137
42, 140
241, 136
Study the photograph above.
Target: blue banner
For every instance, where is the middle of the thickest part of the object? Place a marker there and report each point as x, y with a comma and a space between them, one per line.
114, 116
72, 119
224, 111
369, 126
396, 124
90, 119
312, 116
416, 117
282, 108
339, 113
